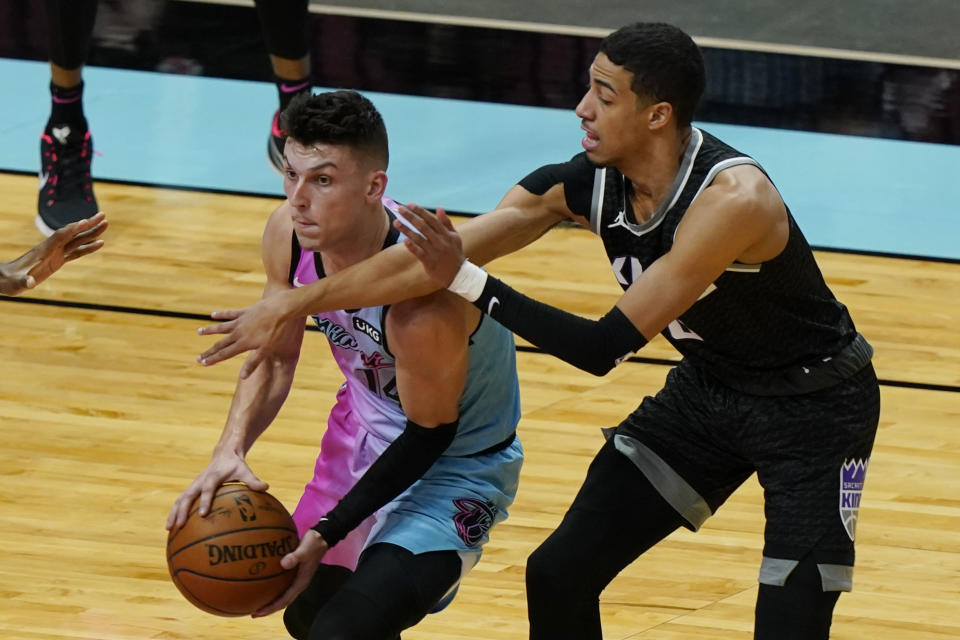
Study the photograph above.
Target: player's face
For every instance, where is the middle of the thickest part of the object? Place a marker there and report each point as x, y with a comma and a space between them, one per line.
328, 187
611, 114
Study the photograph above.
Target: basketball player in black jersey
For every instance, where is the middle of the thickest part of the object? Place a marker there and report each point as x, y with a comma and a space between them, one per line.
774, 379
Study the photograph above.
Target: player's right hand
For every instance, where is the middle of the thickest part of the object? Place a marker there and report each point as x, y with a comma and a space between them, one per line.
222, 468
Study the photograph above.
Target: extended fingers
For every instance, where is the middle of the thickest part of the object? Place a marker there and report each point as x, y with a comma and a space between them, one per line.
79, 226
247, 477
227, 314
251, 363
421, 218
208, 487
222, 350
82, 250
94, 228
220, 344
79, 232
222, 327
181, 508
445, 219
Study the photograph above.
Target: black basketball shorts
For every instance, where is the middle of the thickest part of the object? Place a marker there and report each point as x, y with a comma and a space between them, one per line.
698, 440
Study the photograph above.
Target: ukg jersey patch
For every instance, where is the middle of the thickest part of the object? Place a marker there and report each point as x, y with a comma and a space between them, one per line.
474, 519
852, 474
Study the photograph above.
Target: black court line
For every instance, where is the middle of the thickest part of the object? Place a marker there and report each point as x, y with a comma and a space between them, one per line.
172, 187
183, 315
465, 214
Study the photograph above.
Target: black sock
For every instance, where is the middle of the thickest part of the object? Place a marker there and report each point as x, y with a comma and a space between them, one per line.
66, 105
289, 89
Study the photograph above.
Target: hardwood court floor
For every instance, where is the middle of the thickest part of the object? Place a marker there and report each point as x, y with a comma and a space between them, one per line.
106, 418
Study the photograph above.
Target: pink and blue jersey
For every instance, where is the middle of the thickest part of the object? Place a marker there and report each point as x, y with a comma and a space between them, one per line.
458, 500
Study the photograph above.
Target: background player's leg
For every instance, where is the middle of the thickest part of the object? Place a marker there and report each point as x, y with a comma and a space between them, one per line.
71, 26
799, 610
66, 148
616, 516
391, 590
285, 26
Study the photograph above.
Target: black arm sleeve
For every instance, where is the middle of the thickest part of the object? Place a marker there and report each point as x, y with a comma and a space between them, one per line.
594, 346
577, 176
399, 466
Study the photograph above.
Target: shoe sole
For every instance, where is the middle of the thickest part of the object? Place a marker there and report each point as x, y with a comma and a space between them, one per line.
42, 226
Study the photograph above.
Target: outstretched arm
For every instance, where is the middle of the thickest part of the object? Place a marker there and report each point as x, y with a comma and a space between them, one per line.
388, 277
740, 217
39, 263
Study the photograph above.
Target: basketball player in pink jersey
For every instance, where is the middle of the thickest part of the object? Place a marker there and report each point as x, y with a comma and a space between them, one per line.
419, 459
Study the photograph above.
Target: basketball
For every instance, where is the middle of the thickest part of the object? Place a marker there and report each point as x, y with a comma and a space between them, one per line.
228, 562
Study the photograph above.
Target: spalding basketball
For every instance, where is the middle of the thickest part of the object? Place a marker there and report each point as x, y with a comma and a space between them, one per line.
228, 561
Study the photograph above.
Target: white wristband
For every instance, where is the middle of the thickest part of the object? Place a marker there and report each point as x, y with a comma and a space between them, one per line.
469, 281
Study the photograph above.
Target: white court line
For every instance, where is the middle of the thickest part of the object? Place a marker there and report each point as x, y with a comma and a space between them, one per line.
598, 32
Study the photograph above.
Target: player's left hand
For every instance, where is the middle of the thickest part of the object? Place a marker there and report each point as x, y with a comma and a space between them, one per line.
306, 558
258, 328
437, 246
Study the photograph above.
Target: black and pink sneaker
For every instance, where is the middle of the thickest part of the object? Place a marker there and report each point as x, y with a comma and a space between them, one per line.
66, 188
275, 143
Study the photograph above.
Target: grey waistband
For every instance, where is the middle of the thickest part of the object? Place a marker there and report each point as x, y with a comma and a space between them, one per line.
804, 378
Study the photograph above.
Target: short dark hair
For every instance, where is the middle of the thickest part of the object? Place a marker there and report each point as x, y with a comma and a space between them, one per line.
337, 117
666, 64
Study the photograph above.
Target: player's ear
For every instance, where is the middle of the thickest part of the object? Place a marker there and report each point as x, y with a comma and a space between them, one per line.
660, 113
377, 185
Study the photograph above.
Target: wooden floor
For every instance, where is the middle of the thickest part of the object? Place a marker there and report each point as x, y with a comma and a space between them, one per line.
106, 418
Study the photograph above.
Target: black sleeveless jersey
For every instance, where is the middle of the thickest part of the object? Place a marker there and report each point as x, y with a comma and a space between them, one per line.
762, 328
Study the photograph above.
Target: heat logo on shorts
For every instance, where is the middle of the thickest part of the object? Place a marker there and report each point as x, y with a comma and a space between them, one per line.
852, 474
474, 519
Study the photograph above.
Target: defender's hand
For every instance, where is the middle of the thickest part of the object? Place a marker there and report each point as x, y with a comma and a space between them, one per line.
437, 246
258, 328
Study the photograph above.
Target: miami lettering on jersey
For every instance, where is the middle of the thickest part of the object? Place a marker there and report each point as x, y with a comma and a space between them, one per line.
336, 334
